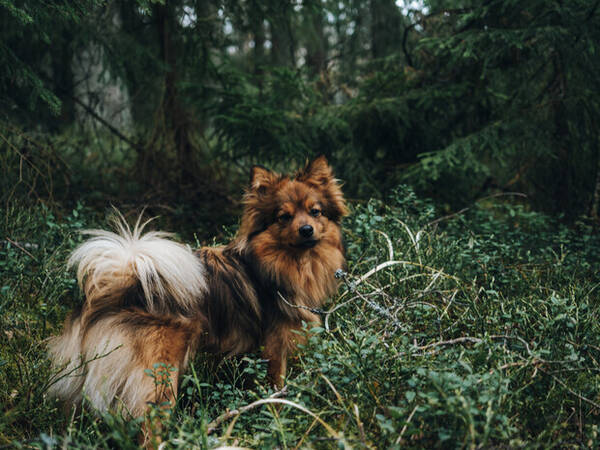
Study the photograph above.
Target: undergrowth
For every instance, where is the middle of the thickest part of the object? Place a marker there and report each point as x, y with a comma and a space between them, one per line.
479, 329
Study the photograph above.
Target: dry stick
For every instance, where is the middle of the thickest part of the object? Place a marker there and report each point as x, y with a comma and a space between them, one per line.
414, 239
405, 427
335, 308
451, 342
236, 412
305, 434
88, 109
271, 400
377, 290
332, 387
352, 286
376, 307
458, 213
479, 340
389, 243
56, 377
361, 428
312, 310
393, 263
579, 396
16, 244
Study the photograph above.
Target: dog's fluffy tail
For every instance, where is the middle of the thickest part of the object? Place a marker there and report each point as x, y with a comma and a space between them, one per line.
108, 264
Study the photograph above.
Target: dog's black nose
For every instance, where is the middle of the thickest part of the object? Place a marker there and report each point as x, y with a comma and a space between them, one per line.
306, 231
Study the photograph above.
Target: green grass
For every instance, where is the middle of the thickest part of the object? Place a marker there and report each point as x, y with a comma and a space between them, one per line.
485, 333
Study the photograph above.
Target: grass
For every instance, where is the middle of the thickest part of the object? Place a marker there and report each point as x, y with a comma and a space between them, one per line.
483, 332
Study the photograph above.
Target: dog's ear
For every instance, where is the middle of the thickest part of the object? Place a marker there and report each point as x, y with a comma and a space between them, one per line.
319, 174
261, 179
258, 202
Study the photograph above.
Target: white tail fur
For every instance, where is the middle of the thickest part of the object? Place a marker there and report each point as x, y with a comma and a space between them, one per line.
166, 270
100, 361
103, 367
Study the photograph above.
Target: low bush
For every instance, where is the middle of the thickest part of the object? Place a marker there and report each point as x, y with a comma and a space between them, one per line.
476, 329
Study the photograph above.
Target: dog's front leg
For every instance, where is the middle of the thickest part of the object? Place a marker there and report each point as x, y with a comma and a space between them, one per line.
281, 341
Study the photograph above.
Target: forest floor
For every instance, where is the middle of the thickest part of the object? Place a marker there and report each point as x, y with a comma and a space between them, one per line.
479, 329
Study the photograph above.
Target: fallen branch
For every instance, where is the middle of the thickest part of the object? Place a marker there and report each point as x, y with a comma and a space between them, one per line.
236, 412
458, 213
387, 264
271, 400
88, 109
579, 396
21, 247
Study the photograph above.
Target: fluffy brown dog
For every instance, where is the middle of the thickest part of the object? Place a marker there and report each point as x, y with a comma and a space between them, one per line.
151, 300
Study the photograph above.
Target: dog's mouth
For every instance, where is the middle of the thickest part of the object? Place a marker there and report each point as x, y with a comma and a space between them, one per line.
309, 243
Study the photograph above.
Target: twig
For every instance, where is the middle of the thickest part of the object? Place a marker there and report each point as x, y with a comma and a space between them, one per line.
376, 307
64, 373
511, 364
361, 428
271, 400
16, 244
389, 243
458, 213
236, 412
24, 244
335, 308
377, 291
459, 340
386, 264
414, 238
405, 427
110, 127
335, 391
312, 310
579, 396
305, 434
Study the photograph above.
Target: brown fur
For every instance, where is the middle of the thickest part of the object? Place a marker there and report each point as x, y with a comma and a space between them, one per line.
238, 306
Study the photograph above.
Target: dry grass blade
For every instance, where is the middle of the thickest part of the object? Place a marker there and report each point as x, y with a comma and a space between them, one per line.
271, 400
389, 243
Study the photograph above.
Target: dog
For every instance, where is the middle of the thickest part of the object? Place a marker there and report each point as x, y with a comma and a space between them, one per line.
151, 302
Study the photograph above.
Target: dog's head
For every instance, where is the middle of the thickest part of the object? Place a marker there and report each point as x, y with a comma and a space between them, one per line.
297, 213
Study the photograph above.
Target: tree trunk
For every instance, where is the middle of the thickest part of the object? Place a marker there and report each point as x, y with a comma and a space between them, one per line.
316, 44
257, 28
561, 133
386, 25
596, 196
175, 117
283, 48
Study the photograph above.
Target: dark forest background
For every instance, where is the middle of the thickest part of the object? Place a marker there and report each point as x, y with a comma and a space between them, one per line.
170, 102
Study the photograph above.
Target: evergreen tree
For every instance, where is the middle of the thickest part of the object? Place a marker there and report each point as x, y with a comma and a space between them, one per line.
458, 97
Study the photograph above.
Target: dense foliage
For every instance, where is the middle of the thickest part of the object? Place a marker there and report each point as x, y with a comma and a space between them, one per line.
456, 97
484, 332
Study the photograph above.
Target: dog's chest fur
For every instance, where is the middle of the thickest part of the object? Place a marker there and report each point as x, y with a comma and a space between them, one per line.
244, 293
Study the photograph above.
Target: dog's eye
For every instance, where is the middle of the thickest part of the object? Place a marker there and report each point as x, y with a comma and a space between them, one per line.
285, 218
315, 212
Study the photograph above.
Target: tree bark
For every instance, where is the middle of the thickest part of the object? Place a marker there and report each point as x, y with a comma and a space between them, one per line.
257, 28
561, 133
386, 24
316, 44
596, 196
283, 48
175, 118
